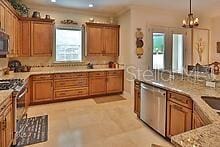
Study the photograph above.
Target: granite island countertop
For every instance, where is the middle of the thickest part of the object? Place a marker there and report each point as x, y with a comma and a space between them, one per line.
207, 136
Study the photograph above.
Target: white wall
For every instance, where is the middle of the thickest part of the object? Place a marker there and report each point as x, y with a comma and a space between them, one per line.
215, 37
144, 17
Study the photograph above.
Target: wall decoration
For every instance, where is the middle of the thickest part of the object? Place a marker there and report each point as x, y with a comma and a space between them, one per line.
201, 46
68, 21
218, 47
139, 43
20, 7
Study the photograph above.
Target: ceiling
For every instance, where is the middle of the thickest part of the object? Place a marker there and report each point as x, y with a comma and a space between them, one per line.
115, 6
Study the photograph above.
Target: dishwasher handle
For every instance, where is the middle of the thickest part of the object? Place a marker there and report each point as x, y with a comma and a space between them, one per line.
153, 89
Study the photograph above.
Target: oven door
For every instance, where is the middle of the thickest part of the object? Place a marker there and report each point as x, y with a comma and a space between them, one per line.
4, 43
21, 110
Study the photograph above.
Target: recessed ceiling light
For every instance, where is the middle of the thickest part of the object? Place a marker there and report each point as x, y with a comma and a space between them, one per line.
53, 1
91, 5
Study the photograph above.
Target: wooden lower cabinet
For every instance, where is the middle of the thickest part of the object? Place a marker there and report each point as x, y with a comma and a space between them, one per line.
42, 91
114, 82
6, 124
137, 97
97, 85
179, 119
71, 93
199, 120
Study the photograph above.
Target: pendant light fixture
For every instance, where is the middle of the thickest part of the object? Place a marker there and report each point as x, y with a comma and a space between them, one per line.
191, 22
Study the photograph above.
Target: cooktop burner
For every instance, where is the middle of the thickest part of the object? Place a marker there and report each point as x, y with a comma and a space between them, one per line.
11, 84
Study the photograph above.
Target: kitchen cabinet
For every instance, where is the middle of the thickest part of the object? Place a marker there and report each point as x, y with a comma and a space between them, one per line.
111, 41
69, 86
199, 120
97, 83
2, 17
25, 41
137, 97
42, 38
179, 119
42, 88
114, 82
94, 40
102, 39
6, 123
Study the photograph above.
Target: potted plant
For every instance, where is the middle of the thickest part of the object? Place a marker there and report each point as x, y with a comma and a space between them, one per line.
20, 7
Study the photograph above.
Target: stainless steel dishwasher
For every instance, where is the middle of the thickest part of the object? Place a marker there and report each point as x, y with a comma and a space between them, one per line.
153, 108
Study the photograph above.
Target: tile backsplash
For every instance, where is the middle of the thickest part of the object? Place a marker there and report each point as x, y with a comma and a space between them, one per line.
49, 61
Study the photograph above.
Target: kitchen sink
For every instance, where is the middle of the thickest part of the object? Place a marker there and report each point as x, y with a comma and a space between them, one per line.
213, 102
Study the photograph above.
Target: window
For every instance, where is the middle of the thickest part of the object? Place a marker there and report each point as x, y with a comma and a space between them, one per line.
178, 55
158, 50
68, 45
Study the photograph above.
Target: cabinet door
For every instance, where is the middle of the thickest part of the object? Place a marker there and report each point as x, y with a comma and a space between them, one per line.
25, 39
111, 41
179, 119
42, 91
9, 126
114, 84
94, 40
2, 17
42, 39
197, 121
97, 85
9, 28
137, 101
2, 130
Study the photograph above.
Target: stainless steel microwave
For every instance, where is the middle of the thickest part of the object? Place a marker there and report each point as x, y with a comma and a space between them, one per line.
4, 43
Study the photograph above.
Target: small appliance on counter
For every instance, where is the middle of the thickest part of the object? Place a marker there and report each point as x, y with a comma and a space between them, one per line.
16, 66
90, 66
113, 65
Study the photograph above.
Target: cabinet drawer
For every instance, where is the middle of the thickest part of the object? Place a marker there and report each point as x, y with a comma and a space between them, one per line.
180, 99
137, 83
97, 74
71, 75
71, 93
63, 76
114, 73
42, 77
62, 84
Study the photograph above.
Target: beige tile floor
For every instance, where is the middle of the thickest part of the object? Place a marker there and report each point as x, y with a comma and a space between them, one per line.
84, 123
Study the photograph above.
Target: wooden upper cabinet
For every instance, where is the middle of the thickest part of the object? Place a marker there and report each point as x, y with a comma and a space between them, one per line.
102, 39
94, 42
111, 41
2, 17
42, 38
25, 41
179, 119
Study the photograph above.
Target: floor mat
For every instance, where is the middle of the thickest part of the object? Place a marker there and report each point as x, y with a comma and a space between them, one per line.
32, 130
108, 99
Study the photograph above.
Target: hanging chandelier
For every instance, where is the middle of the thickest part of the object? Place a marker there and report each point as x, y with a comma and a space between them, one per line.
191, 22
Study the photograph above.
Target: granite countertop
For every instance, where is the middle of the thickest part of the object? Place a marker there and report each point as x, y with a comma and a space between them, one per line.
4, 94
205, 136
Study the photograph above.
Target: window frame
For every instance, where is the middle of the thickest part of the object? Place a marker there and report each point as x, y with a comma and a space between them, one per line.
77, 28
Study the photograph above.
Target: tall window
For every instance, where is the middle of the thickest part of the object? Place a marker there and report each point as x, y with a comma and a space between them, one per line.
178, 53
158, 50
68, 45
